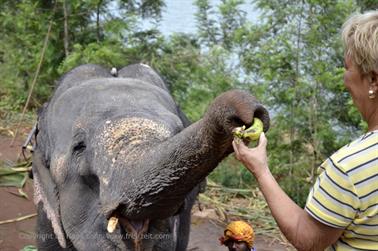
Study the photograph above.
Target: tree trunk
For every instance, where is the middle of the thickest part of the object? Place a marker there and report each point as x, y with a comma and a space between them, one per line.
98, 20
294, 101
66, 38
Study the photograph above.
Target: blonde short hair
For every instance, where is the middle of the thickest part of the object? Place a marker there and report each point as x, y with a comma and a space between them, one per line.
360, 39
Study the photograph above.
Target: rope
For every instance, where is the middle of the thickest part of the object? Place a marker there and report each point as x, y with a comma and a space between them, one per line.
35, 75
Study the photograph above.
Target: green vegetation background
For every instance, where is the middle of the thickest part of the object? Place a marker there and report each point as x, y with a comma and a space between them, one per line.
291, 59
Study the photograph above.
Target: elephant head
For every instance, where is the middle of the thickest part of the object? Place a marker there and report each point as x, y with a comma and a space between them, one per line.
119, 148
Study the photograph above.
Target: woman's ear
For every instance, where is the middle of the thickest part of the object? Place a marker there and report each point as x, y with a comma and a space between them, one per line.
45, 191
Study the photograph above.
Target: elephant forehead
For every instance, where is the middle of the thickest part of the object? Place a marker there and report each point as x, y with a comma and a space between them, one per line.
117, 135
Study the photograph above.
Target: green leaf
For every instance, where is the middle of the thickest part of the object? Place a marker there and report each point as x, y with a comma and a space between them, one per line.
12, 177
29, 248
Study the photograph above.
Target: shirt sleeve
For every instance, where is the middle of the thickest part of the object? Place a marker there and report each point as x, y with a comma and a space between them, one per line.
333, 200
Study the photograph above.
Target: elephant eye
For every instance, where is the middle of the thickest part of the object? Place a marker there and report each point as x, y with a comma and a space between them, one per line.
78, 142
78, 148
79, 159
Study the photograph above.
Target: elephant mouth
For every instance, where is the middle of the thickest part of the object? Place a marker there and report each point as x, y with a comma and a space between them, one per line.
133, 230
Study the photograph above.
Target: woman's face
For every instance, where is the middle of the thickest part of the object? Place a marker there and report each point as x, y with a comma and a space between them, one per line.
358, 86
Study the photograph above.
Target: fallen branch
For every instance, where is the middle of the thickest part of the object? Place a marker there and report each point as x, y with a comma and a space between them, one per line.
18, 219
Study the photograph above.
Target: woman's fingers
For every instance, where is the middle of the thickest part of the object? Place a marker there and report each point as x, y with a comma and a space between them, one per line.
262, 140
235, 146
239, 148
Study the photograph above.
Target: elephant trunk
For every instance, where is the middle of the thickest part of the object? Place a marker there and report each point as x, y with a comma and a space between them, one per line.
158, 183
179, 164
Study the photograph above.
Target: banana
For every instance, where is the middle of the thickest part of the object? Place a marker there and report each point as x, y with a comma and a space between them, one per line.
251, 133
238, 132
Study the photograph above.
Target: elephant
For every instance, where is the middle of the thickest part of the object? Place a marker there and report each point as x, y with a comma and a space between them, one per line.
118, 147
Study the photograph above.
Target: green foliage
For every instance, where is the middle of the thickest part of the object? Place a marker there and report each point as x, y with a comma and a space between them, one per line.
10, 177
207, 29
230, 173
96, 33
14, 176
367, 4
20, 48
106, 54
194, 78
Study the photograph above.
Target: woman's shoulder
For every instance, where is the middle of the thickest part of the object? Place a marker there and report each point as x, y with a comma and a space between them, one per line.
363, 148
361, 144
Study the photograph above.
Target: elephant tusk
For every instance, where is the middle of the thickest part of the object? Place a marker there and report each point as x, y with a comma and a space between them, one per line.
112, 224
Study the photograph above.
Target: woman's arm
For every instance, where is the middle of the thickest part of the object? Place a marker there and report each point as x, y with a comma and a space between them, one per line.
301, 229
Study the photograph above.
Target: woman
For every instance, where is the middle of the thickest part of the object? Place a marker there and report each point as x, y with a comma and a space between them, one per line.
238, 236
341, 212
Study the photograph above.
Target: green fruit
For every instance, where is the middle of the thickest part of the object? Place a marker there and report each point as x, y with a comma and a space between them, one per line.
251, 133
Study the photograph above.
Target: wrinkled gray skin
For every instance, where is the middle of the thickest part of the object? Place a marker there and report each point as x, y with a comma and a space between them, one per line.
119, 146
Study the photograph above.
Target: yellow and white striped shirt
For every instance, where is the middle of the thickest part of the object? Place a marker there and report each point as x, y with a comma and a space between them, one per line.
345, 194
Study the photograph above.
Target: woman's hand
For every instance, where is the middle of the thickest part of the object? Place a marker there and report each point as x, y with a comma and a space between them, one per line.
255, 159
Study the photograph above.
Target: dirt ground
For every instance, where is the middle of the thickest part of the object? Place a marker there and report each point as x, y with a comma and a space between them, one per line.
205, 229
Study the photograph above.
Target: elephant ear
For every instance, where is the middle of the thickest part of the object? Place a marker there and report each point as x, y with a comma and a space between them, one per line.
45, 191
